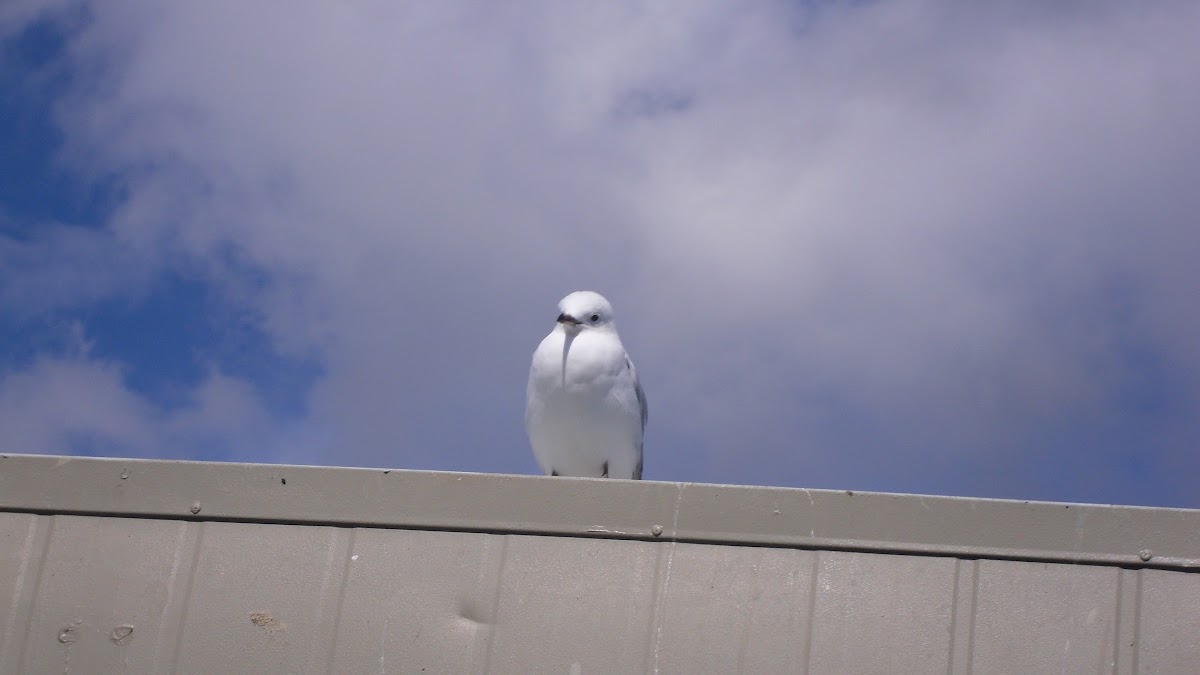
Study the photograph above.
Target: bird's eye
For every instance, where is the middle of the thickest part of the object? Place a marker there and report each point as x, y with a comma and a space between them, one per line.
595, 318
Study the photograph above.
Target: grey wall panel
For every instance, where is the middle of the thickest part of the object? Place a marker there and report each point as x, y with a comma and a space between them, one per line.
104, 571
105, 596
1169, 625
576, 605
1045, 618
882, 613
262, 598
426, 600
735, 609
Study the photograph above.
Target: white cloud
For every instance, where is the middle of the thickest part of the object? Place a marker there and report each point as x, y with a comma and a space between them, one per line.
931, 231
77, 403
57, 405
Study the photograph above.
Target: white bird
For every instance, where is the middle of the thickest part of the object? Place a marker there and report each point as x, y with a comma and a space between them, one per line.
585, 411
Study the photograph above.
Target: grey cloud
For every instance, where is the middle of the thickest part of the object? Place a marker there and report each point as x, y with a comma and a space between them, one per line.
902, 245
62, 266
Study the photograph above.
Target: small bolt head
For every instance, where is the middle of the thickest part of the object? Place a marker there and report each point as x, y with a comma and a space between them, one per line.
1145, 554
195, 507
657, 530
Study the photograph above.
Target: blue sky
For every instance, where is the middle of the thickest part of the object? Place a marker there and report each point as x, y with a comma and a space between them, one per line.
905, 245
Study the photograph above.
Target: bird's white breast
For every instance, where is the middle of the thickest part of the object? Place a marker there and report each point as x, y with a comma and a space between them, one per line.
582, 405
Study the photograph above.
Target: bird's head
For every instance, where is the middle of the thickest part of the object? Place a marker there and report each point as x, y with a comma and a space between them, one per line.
584, 310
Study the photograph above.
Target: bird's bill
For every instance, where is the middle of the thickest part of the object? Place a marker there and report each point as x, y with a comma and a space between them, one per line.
568, 320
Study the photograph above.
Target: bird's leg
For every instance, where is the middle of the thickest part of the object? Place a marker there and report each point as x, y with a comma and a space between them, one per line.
605, 474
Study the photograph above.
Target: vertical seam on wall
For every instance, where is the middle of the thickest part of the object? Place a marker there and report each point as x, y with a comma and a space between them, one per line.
494, 618
974, 614
962, 616
660, 598
14, 602
37, 582
954, 616
1137, 620
341, 598
1116, 631
182, 539
187, 596
812, 610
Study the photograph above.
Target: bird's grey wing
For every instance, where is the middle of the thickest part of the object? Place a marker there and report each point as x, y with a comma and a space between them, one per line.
641, 397
637, 388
